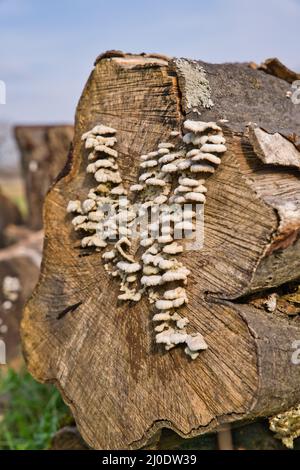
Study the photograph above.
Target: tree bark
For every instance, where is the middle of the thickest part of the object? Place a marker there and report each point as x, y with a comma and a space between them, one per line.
121, 387
44, 151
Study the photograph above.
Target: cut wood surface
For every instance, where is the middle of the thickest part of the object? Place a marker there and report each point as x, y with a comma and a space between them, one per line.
121, 387
44, 151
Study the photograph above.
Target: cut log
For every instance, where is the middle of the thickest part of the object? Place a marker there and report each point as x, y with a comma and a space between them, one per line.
15, 234
68, 438
44, 151
9, 214
30, 245
246, 436
19, 272
18, 277
101, 352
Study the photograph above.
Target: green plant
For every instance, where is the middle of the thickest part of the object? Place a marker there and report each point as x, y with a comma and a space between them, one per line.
20, 201
30, 412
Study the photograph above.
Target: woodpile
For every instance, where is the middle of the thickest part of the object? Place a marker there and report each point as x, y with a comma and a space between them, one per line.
19, 272
9, 215
68, 438
101, 350
44, 151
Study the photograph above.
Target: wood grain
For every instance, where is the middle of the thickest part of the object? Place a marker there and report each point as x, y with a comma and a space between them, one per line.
122, 389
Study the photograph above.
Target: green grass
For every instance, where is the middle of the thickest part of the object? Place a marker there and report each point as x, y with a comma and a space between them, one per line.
21, 203
30, 413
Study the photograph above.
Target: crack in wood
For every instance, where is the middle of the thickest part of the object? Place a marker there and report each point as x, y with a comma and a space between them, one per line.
71, 308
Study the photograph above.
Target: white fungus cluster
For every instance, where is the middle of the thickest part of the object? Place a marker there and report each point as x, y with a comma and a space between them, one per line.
105, 216
174, 175
171, 176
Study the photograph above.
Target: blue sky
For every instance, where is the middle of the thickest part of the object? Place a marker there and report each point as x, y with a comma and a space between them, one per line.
48, 47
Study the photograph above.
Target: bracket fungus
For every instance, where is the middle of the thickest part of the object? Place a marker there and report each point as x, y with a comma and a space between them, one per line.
167, 176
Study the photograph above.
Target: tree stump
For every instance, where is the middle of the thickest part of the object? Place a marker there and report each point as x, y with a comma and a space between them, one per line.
44, 151
122, 387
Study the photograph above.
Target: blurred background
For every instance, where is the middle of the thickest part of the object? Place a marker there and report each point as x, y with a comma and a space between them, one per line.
48, 49
47, 54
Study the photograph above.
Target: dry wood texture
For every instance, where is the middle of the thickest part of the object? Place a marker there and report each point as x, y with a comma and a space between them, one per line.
44, 151
121, 387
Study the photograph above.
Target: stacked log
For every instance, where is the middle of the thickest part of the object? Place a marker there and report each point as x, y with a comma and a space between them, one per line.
9, 215
101, 350
44, 151
19, 272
